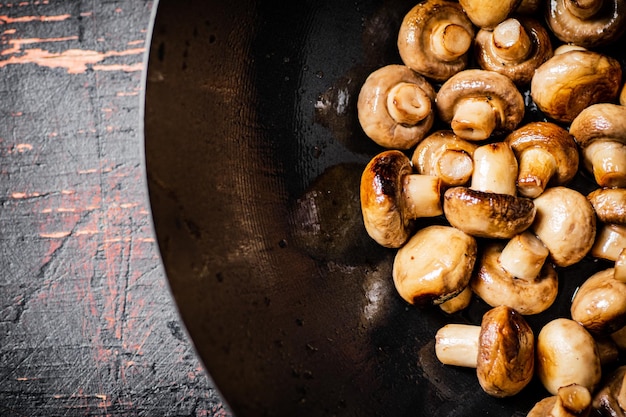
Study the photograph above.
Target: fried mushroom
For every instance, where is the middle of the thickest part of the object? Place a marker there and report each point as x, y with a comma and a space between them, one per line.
488, 13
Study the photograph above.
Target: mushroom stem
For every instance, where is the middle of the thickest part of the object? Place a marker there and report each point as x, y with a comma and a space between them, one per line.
458, 302
455, 166
422, 196
621, 395
583, 9
571, 400
450, 41
607, 160
536, 168
524, 256
408, 104
474, 119
609, 242
495, 169
510, 41
457, 344
620, 266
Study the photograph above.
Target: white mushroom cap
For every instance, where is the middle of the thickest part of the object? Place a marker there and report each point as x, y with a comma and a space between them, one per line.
567, 354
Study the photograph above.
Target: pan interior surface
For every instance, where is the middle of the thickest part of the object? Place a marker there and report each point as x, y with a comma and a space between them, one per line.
254, 156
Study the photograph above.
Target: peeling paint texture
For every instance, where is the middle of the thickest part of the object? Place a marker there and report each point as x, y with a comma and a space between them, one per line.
87, 325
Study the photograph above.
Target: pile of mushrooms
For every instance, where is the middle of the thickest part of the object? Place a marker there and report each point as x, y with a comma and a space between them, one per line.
459, 149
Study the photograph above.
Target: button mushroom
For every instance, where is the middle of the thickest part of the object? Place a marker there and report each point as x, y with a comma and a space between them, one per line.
516, 275
589, 23
395, 107
477, 103
490, 207
392, 196
570, 401
600, 131
501, 349
610, 400
567, 354
434, 265
609, 204
446, 156
599, 304
609, 242
435, 39
488, 13
566, 223
570, 81
547, 154
515, 48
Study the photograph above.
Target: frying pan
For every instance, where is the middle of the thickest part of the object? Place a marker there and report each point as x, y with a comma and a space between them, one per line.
253, 155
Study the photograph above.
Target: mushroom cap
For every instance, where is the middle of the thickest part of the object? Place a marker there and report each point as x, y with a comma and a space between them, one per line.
373, 112
434, 265
520, 72
506, 352
484, 214
609, 204
495, 286
566, 224
381, 202
432, 146
554, 139
501, 92
601, 29
604, 121
488, 13
567, 354
600, 303
569, 82
415, 33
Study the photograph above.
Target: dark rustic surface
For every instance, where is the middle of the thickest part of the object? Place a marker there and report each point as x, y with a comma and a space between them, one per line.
87, 325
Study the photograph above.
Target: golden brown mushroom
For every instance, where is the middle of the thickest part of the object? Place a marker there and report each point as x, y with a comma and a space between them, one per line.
600, 131
570, 401
567, 354
490, 207
570, 81
392, 196
435, 39
589, 23
395, 107
434, 265
515, 274
566, 223
477, 103
446, 156
488, 13
547, 155
501, 349
609, 204
515, 48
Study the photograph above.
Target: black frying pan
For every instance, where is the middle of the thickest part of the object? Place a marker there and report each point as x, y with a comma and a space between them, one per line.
254, 156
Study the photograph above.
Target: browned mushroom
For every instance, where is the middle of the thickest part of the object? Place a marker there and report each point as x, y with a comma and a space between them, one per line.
501, 349
515, 274
570, 401
567, 354
589, 23
477, 103
490, 207
529, 7
395, 107
515, 48
609, 242
610, 400
599, 304
622, 96
547, 154
435, 39
572, 80
434, 265
446, 156
609, 204
488, 13
392, 196
600, 130
566, 223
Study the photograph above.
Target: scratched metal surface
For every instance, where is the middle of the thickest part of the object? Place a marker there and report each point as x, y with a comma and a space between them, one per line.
87, 326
